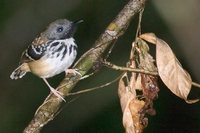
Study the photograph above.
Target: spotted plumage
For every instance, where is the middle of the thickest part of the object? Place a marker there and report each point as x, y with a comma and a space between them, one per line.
51, 53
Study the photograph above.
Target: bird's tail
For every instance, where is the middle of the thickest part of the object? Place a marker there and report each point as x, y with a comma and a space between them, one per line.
18, 73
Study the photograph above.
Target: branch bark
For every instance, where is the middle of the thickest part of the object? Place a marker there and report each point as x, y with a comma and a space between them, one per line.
50, 107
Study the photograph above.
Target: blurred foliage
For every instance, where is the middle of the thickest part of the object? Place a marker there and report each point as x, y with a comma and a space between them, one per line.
93, 112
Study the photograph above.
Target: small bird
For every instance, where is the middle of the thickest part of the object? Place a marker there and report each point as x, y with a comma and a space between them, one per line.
51, 53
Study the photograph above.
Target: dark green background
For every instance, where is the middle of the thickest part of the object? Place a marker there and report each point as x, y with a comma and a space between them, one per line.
98, 111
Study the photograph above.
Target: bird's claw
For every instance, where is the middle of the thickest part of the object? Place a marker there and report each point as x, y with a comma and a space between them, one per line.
73, 71
57, 93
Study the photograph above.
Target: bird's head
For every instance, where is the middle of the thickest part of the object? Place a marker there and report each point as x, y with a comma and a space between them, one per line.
61, 29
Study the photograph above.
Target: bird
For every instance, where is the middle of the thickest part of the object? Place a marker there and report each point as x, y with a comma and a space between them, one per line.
52, 52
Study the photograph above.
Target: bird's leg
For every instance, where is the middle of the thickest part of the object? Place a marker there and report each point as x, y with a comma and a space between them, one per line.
73, 71
55, 92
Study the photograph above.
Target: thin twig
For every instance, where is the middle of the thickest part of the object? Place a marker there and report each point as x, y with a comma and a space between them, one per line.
87, 76
95, 88
110, 49
196, 84
138, 32
136, 70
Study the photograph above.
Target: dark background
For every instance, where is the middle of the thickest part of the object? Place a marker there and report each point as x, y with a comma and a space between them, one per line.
177, 22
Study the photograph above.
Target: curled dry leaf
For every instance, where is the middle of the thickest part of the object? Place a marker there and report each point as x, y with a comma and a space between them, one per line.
131, 107
149, 37
126, 96
135, 107
170, 70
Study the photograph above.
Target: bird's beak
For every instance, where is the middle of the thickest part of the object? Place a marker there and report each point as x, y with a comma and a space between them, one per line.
78, 22
74, 26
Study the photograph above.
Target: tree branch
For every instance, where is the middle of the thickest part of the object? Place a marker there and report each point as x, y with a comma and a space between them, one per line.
129, 69
48, 110
95, 88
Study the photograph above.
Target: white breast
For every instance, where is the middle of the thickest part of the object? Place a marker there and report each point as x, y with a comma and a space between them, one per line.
57, 59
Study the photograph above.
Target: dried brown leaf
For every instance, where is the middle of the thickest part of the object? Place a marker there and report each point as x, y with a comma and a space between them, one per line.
131, 106
135, 107
170, 70
150, 86
149, 37
138, 83
126, 96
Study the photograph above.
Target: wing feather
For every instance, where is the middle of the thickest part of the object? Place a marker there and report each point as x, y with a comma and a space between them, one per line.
35, 50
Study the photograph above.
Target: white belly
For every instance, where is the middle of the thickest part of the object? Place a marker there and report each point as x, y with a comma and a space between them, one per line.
53, 64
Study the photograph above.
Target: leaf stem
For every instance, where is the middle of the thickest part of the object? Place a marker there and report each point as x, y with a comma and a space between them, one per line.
196, 84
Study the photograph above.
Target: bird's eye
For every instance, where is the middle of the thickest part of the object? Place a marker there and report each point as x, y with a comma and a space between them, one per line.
59, 29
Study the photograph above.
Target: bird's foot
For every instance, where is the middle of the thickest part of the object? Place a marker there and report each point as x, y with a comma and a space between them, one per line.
57, 93
73, 71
